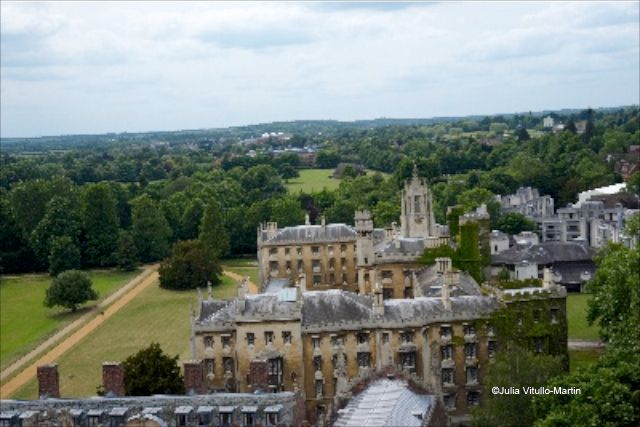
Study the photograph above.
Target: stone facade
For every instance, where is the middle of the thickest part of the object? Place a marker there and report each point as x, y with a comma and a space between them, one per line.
443, 339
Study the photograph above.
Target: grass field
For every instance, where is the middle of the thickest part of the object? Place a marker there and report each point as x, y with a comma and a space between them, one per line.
156, 315
583, 358
25, 321
579, 329
313, 180
243, 267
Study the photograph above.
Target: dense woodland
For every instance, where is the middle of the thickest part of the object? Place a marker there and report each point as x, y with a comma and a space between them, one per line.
76, 202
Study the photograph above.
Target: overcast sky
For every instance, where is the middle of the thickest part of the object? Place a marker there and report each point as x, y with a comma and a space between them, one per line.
112, 67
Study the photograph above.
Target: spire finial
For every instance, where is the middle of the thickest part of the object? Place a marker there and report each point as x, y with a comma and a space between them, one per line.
415, 169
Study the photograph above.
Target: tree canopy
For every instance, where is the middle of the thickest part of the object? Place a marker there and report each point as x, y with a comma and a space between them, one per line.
192, 264
151, 371
70, 289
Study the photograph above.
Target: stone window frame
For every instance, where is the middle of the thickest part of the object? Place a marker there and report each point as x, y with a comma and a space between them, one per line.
554, 315
273, 251
471, 371
364, 359
470, 350
407, 336
469, 329
448, 374
317, 363
449, 400
492, 348
473, 398
446, 350
319, 388
316, 341
208, 341
287, 337
210, 365
269, 337
386, 337
363, 337
226, 340
251, 338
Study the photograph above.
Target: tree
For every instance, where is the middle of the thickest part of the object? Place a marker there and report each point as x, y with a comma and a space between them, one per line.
62, 218
151, 371
70, 289
514, 223
191, 265
125, 255
615, 305
469, 258
287, 171
101, 223
522, 134
212, 230
571, 127
518, 368
149, 229
65, 255
191, 219
287, 211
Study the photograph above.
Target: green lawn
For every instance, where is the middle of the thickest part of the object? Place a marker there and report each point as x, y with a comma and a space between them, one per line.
156, 315
583, 358
25, 322
311, 180
243, 267
579, 329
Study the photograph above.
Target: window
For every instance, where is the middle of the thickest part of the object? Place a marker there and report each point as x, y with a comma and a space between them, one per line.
446, 351
299, 251
469, 330
299, 264
553, 315
385, 338
450, 401
537, 344
286, 337
408, 361
536, 316
343, 263
268, 337
209, 364
472, 374
181, 420
362, 337
364, 359
226, 341
317, 280
287, 251
491, 330
473, 398
226, 418
227, 362
251, 338
248, 419
387, 293
317, 363
273, 251
445, 332
447, 376
95, 420
332, 279
334, 360
316, 342
387, 274
337, 340
315, 250
319, 388
407, 337
204, 418
470, 350
275, 373
208, 342
344, 278
272, 419
273, 266
288, 266
492, 347
343, 249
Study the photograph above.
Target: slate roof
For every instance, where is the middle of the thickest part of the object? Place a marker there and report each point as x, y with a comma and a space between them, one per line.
386, 403
313, 233
275, 285
408, 245
431, 282
336, 305
545, 253
572, 273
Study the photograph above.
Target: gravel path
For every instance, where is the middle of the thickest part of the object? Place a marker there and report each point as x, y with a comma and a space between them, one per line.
84, 325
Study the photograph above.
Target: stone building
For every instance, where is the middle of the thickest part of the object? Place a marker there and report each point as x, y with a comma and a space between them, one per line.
340, 256
324, 342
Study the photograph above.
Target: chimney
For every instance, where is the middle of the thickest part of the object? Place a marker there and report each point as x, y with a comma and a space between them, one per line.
209, 291
446, 300
323, 221
242, 295
113, 379
302, 283
547, 280
48, 381
378, 300
194, 377
306, 219
443, 265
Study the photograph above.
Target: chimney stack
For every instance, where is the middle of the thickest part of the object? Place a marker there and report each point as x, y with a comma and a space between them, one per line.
194, 377
306, 219
446, 298
113, 379
323, 221
378, 299
48, 381
547, 280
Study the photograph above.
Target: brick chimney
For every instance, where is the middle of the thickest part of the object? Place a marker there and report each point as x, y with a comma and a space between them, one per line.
113, 379
194, 377
48, 381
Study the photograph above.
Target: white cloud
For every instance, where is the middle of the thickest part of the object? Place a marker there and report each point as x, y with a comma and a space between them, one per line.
96, 67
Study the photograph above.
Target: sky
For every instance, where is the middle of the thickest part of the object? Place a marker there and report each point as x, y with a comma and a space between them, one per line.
97, 67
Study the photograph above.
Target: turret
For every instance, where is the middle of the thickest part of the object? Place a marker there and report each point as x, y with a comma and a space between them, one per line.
417, 219
364, 241
378, 299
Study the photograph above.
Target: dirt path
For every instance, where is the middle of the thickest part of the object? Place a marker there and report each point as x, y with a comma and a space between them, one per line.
86, 324
584, 344
253, 288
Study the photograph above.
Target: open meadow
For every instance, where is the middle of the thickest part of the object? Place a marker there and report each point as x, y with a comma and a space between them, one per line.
25, 322
311, 180
156, 315
579, 328
243, 267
